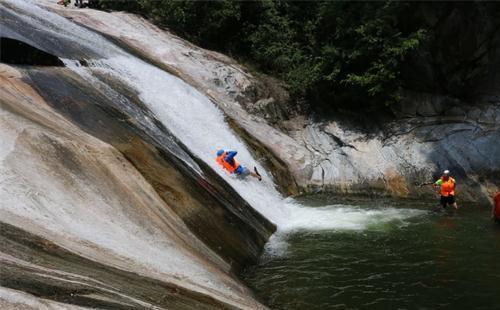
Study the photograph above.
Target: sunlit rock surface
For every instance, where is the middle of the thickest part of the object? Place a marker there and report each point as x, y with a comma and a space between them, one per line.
329, 156
409, 153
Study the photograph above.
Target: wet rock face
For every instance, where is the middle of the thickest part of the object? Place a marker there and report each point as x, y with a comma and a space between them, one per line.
109, 110
214, 212
85, 223
97, 194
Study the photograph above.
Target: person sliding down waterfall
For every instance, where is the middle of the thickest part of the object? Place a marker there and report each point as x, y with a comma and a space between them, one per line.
446, 186
226, 161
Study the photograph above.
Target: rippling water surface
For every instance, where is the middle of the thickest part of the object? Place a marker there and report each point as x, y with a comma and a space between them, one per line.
427, 261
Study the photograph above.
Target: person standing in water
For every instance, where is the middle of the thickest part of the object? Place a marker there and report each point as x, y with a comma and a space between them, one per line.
446, 186
226, 160
495, 210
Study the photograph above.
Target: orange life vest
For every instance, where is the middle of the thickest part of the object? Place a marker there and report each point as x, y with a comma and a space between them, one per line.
448, 187
497, 206
224, 164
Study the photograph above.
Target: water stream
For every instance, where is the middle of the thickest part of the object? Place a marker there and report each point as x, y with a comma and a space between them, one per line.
200, 125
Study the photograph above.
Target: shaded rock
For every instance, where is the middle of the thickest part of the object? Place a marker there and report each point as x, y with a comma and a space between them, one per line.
474, 114
16, 52
490, 115
461, 58
429, 108
455, 111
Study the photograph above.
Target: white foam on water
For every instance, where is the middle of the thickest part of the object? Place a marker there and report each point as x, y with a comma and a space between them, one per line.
344, 217
335, 218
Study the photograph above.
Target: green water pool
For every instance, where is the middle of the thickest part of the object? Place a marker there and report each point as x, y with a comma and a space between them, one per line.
431, 260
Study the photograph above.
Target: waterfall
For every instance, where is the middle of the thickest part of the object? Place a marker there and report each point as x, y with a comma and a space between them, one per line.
198, 123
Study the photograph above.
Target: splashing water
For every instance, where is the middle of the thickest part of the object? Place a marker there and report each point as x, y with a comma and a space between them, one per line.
337, 218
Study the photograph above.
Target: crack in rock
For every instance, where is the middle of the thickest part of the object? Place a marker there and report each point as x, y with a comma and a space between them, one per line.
339, 141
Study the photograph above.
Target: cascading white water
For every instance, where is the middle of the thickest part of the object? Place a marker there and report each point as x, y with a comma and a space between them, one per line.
200, 125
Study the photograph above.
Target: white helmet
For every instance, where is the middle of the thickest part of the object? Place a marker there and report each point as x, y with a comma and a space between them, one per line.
446, 172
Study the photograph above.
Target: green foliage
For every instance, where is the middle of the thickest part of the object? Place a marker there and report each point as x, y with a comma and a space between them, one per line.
340, 54
210, 23
130, 6
360, 51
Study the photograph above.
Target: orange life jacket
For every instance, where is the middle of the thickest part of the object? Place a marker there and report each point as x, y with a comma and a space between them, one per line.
224, 164
448, 187
497, 206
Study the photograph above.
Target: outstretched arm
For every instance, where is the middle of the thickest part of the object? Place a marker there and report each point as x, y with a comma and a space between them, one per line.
427, 183
438, 183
